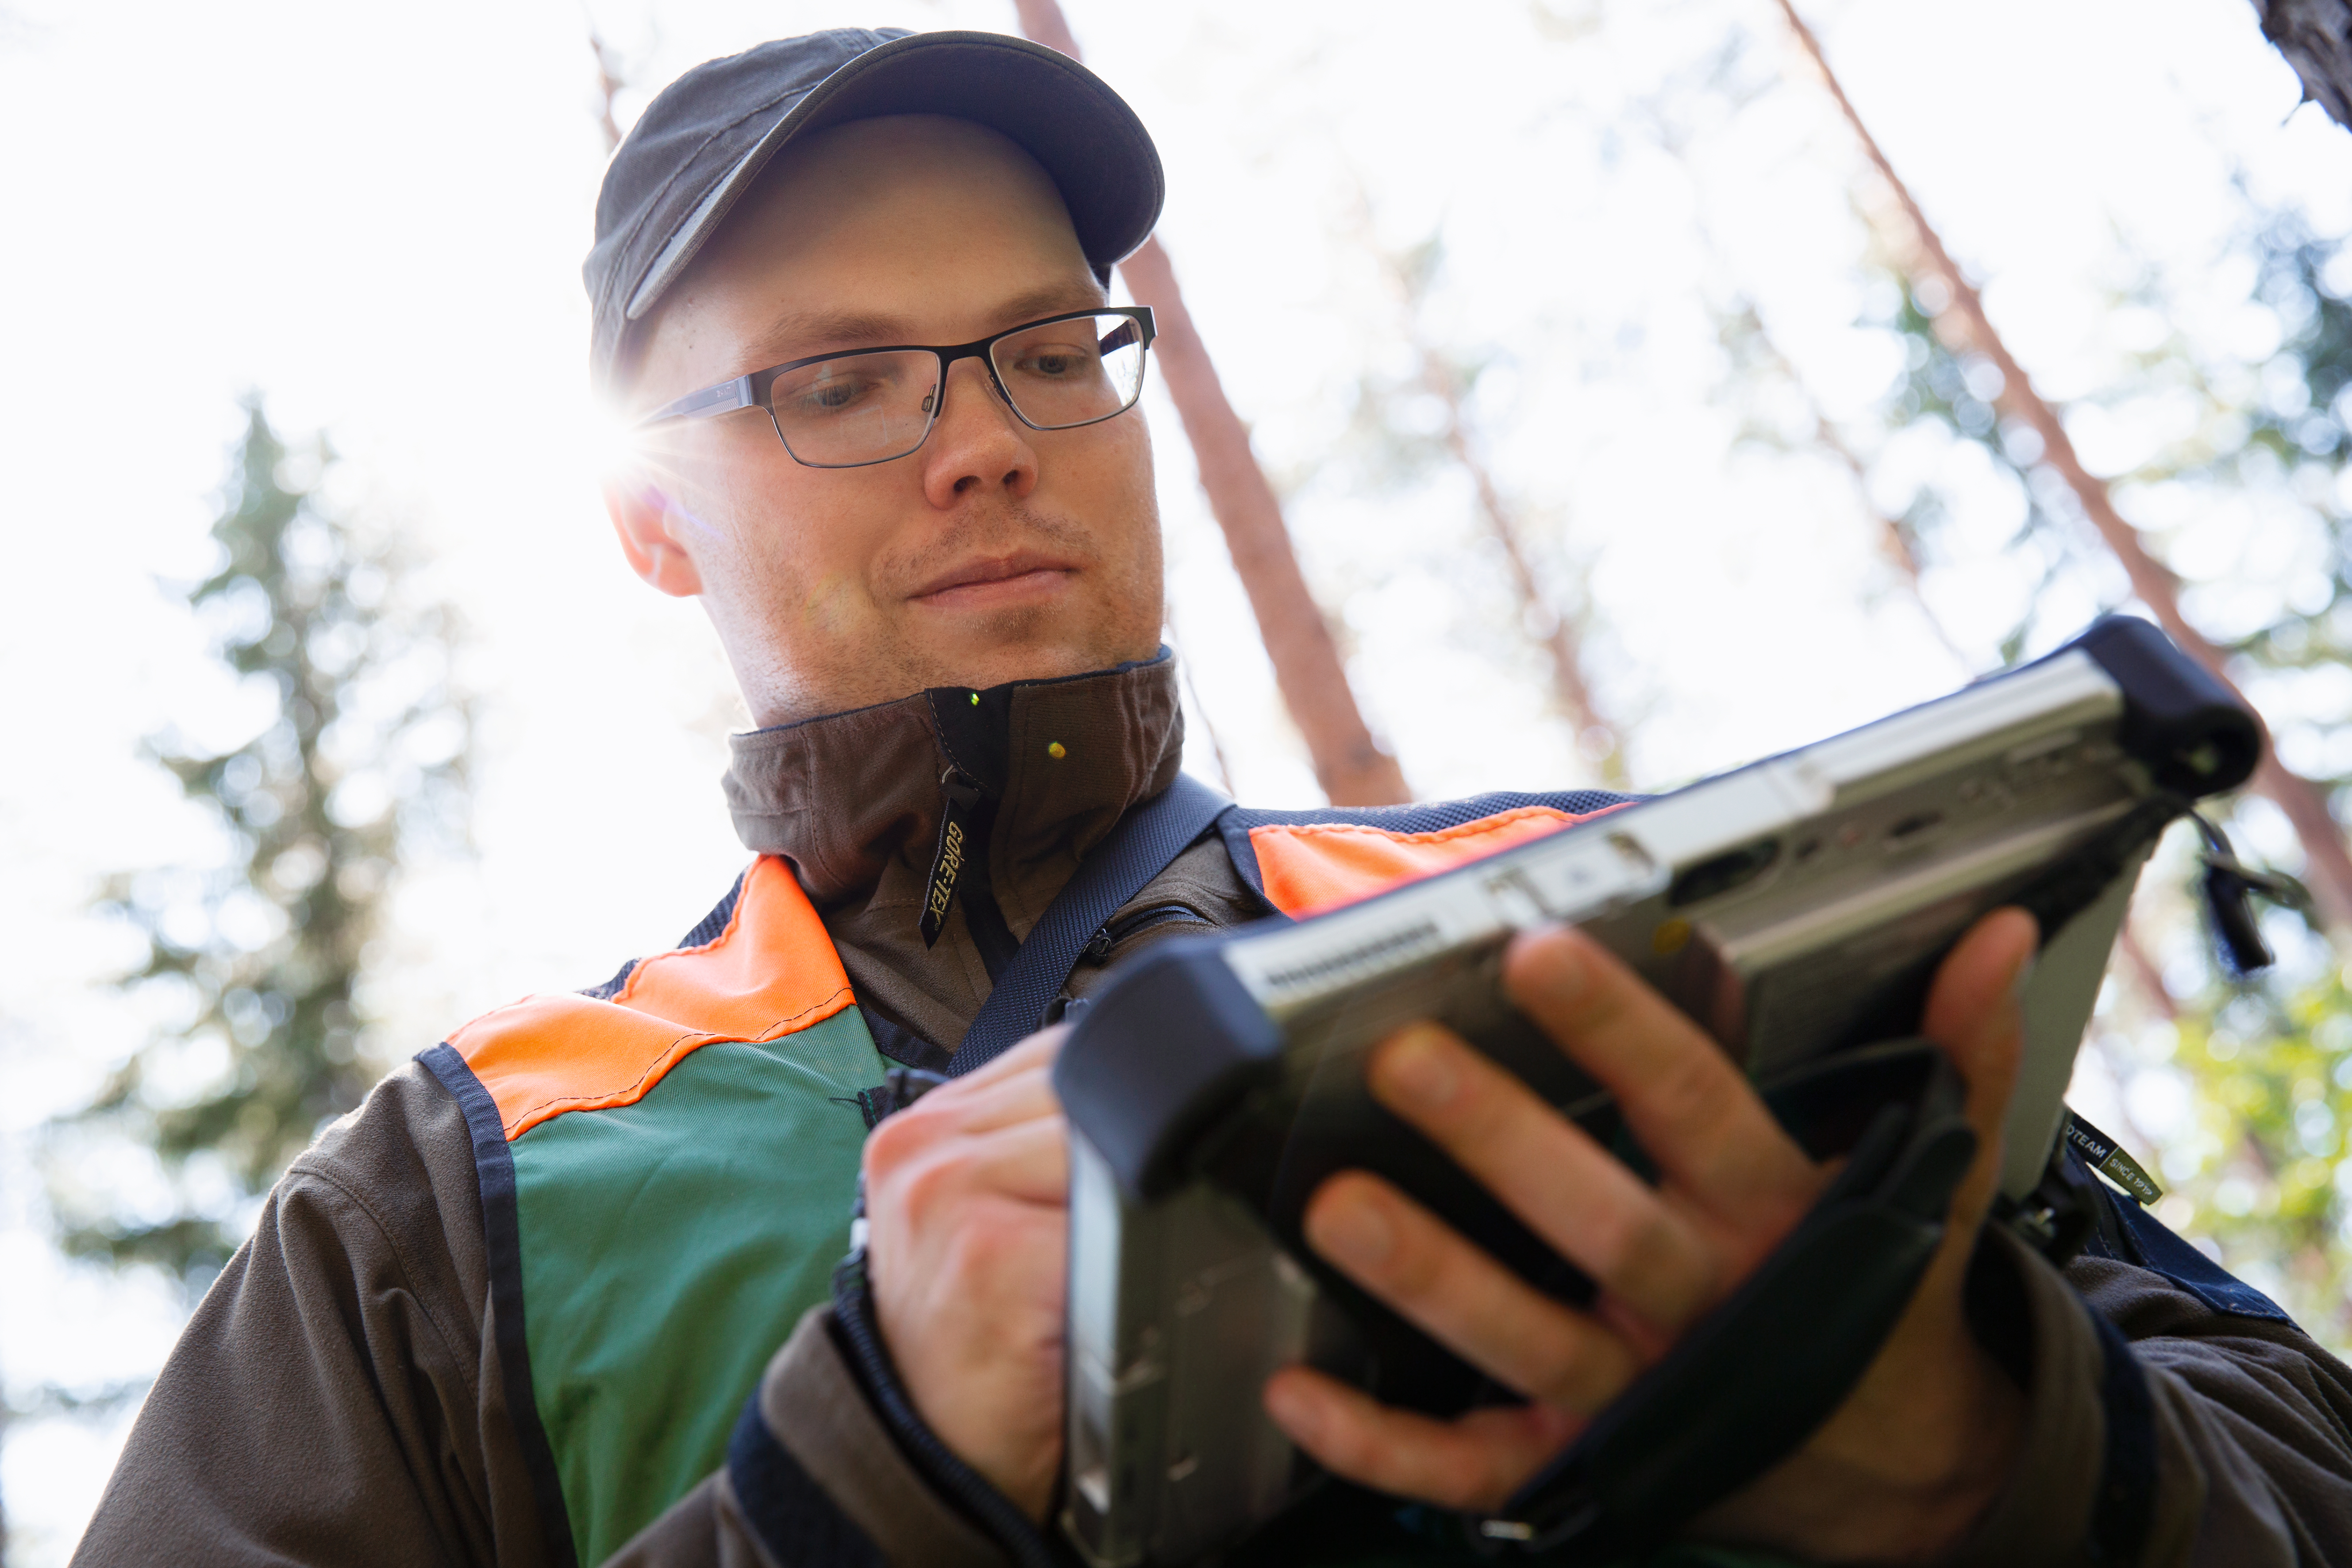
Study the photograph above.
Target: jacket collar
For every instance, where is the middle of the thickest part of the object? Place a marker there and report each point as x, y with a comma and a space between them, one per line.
853, 799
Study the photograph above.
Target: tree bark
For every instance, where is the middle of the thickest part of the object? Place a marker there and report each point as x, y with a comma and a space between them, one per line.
2328, 862
2315, 36
1352, 767
1041, 22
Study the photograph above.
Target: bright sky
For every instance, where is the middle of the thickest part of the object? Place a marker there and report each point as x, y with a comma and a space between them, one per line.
377, 216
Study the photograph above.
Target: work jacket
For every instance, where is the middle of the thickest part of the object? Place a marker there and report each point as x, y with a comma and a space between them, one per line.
558, 1292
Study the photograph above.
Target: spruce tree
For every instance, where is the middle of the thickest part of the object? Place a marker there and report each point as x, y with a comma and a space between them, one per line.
363, 756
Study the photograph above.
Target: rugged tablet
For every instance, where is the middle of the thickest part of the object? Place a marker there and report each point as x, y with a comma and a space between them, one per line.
1796, 908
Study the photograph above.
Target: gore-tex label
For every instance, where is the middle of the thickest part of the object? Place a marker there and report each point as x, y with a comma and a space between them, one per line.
958, 796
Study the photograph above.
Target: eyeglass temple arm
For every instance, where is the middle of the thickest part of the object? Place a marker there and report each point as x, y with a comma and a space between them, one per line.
1141, 324
719, 399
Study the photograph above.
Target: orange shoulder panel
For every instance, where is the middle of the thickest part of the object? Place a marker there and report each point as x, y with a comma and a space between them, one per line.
1309, 868
772, 972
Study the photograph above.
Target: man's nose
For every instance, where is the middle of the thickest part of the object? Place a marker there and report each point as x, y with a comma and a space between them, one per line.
979, 444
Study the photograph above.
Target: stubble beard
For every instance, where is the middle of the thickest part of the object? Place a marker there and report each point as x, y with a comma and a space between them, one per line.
1115, 616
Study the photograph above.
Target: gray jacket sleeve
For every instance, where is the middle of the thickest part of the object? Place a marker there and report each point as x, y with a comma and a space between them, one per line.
2161, 1430
336, 1397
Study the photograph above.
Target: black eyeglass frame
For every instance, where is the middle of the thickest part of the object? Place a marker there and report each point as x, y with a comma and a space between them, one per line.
751, 391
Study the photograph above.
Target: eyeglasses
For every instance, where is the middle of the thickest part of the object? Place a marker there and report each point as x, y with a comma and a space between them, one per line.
847, 410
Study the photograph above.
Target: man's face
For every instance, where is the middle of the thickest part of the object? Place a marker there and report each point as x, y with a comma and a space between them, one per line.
994, 552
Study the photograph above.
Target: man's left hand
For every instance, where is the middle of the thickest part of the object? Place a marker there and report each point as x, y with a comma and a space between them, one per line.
1901, 1469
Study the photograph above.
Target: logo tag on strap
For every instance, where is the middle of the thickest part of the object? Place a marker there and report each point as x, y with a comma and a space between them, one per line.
2109, 1159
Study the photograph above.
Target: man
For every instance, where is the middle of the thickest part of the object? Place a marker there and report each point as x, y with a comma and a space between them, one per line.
559, 1291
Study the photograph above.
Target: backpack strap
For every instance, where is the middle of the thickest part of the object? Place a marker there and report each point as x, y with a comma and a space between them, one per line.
1138, 849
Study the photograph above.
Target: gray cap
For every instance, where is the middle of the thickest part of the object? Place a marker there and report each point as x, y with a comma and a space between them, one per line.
699, 145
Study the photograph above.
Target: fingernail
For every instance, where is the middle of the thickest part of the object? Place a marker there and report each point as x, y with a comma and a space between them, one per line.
2024, 976
1418, 1065
1293, 1409
1351, 1231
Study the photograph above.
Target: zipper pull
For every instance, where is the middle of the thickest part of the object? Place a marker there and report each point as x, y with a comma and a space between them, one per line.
1097, 948
958, 796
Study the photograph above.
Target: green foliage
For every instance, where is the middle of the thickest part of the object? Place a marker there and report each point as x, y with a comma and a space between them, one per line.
256, 958
1943, 387
2275, 433
2257, 1166
2261, 1169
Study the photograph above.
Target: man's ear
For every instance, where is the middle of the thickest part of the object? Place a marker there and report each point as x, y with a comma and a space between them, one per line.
640, 514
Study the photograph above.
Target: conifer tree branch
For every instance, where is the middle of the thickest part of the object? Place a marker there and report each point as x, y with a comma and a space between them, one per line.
1893, 546
362, 757
2328, 868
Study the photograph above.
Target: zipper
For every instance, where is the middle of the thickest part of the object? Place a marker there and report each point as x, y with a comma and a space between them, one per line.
1099, 946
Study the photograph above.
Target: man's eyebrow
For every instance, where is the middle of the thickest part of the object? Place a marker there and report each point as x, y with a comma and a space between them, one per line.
815, 332
798, 333
1049, 300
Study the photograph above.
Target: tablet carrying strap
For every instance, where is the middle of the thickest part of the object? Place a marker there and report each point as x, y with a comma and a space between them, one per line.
1142, 845
1755, 1378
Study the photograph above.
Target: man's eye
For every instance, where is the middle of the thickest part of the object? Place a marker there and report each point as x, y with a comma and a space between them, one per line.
833, 394
1056, 363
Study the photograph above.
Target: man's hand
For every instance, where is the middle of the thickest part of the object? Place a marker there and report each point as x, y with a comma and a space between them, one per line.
1909, 1461
966, 1201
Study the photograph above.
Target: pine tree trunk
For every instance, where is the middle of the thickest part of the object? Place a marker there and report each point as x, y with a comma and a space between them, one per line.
1353, 768
2315, 36
2329, 861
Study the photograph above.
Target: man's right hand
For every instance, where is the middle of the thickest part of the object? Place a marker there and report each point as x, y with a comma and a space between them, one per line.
967, 1196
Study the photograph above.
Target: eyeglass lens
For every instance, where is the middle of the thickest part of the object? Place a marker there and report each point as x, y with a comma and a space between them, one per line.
871, 408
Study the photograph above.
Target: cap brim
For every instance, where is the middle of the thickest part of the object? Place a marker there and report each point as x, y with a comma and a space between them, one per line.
1080, 132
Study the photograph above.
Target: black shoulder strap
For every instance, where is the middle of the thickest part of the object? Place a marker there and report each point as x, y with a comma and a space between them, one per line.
1136, 850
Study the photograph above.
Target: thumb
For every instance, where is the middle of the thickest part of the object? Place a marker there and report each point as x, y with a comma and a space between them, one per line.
1974, 1013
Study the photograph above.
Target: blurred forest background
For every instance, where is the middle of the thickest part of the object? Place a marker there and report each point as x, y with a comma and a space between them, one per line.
1602, 394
